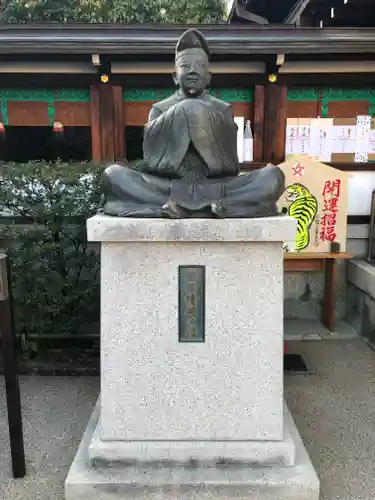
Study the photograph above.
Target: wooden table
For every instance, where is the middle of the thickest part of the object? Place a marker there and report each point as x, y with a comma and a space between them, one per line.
310, 262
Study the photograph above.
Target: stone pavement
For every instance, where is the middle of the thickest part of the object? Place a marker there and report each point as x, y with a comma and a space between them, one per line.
333, 406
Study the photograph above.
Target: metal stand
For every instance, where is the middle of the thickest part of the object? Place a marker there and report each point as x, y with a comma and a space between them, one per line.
11, 373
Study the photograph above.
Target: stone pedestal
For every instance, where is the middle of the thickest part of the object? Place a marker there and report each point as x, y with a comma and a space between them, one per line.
175, 417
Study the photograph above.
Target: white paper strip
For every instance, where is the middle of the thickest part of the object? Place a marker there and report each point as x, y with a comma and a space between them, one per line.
371, 143
321, 137
304, 138
343, 139
292, 145
362, 138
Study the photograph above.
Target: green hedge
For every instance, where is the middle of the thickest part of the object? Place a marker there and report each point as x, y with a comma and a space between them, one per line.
55, 273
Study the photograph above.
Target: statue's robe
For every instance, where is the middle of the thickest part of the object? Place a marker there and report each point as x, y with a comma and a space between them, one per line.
190, 159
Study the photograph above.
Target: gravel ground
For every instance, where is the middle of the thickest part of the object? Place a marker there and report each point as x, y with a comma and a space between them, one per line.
333, 406
55, 413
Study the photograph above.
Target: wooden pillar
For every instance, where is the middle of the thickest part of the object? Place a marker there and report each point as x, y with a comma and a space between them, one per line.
96, 144
107, 123
107, 128
258, 124
275, 97
118, 125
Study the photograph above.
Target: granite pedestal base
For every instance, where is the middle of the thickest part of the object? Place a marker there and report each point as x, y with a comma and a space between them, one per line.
155, 387
149, 481
198, 414
182, 452
209, 452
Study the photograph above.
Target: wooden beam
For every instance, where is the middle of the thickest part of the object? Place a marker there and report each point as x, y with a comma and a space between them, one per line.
317, 255
305, 265
164, 80
27, 80
353, 80
161, 39
275, 123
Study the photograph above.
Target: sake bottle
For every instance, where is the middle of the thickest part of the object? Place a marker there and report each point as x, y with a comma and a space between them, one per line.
248, 143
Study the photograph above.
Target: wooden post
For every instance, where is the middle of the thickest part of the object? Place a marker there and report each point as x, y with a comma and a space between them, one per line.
329, 294
258, 126
106, 106
275, 123
107, 122
118, 123
96, 142
11, 373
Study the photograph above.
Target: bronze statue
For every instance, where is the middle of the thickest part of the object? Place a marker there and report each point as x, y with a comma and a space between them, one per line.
190, 166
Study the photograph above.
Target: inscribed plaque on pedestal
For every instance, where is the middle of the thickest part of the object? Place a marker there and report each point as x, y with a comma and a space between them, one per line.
191, 303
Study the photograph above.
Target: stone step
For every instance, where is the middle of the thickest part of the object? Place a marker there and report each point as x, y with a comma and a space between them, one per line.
239, 482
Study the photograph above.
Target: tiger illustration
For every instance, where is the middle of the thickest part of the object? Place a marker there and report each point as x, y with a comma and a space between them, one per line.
303, 208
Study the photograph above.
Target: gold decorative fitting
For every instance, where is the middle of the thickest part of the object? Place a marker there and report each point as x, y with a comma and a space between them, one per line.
272, 78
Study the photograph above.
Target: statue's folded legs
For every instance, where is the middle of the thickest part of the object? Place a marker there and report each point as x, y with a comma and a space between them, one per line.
135, 194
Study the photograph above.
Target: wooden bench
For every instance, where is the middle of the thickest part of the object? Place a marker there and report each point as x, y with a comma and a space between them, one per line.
310, 262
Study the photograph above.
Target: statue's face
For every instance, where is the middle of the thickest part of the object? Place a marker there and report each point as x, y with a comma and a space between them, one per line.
192, 72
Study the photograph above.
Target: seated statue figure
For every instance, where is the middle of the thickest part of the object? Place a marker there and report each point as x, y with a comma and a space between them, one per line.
190, 166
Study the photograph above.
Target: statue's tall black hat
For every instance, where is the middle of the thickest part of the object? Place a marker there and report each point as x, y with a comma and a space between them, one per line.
192, 39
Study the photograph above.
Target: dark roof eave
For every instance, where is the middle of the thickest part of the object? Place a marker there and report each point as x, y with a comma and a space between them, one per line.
223, 39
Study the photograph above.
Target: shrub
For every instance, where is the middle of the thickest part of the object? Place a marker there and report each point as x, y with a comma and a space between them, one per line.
55, 272
115, 11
